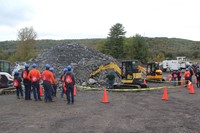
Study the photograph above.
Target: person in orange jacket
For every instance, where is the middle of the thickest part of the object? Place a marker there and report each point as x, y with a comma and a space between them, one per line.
54, 83
64, 89
187, 76
34, 77
48, 79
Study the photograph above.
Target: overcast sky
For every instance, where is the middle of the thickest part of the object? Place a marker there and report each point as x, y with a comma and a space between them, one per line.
76, 19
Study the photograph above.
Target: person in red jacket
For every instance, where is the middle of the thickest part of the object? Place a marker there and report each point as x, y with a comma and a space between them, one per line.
17, 84
48, 79
187, 76
34, 77
54, 83
26, 82
174, 76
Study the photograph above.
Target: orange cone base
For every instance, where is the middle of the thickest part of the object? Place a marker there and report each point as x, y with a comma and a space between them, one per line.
192, 90
74, 90
165, 95
105, 97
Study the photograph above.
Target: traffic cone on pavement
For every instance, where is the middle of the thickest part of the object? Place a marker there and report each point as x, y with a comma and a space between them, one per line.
41, 91
105, 97
191, 89
74, 90
165, 95
189, 84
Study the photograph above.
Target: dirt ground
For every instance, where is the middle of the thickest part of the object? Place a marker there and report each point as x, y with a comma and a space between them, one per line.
133, 112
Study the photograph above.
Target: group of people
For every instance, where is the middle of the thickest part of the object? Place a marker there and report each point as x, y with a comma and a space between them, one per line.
188, 75
32, 79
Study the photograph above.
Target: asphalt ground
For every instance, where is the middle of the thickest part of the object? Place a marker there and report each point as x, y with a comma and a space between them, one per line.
126, 112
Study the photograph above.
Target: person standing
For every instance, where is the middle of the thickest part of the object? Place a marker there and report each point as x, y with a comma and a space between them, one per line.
179, 75
197, 74
174, 76
54, 83
34, 77
17, 84
47, 78
187, 76
26, 82
62, 79
111, 79
69, 83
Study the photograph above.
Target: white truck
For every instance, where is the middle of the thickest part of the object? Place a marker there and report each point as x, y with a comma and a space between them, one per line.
180, 62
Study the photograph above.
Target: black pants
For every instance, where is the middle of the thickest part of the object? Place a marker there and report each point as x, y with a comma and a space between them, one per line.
27, 91
19, 90
70, 93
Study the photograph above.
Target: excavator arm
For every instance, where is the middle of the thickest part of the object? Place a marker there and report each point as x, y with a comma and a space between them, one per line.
140, 68
111, 65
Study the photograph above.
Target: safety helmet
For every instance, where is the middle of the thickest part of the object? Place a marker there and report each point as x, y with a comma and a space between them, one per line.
26, 66
47, 66
51, 69
34, 65
65, 69
16, 72
69, 68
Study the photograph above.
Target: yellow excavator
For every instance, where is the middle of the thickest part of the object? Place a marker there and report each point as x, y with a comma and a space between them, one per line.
130, 75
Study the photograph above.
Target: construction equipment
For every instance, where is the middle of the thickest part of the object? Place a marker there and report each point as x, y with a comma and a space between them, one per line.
129, 74
6, 79
153, 72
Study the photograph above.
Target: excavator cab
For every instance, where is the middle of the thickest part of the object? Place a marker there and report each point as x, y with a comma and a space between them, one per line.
131, 75
154, 72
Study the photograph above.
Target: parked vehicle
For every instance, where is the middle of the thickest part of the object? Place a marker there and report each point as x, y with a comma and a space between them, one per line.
181, 62
6, 80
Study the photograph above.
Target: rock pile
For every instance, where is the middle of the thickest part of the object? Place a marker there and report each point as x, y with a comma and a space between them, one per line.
83, 60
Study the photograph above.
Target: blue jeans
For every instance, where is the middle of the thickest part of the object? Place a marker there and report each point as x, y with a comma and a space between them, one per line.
47, 91
19, 90
70, 93
110, 84
174, 81
36, 90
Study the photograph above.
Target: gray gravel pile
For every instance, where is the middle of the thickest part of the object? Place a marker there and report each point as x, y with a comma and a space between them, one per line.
83, 60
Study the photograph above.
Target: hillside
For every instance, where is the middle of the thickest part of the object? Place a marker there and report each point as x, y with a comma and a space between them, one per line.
171, 47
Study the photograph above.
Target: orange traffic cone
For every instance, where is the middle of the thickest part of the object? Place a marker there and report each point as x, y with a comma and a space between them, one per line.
41, 91
74, 90
165, 95
191, 89
105, 97
189, 84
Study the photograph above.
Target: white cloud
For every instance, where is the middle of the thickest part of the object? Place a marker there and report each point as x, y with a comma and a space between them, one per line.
68, 19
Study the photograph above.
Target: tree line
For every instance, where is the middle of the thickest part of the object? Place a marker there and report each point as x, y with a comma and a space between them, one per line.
116, 44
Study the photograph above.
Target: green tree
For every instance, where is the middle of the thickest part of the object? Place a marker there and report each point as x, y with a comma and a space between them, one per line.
139, 48
26, 45
114, 43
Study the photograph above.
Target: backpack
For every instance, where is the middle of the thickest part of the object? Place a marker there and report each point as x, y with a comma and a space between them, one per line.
187, 75
68, 79
25, 75
15, 83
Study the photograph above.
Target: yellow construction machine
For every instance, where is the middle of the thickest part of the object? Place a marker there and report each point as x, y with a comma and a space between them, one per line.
153, 72
129, 74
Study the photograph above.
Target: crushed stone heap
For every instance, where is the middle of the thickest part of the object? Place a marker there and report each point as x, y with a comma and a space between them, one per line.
83, 60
